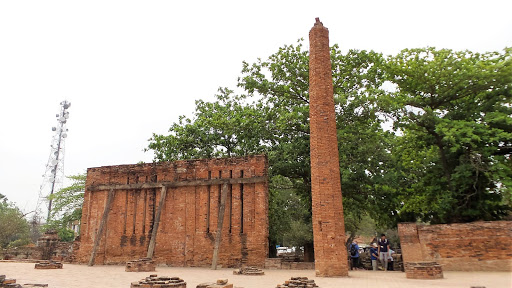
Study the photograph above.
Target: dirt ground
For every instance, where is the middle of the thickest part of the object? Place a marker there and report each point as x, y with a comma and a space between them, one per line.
81, 276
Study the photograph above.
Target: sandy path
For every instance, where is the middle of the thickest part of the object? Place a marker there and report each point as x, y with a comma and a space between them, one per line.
81, 276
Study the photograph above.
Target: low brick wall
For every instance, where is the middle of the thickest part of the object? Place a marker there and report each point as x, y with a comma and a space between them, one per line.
423, 270
140, 265
48, 265
477, 246
278, 263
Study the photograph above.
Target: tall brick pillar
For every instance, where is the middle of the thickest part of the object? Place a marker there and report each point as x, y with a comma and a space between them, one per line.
328, 222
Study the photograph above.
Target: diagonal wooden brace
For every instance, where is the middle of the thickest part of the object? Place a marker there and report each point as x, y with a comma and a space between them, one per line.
152, 242
102, 227
220, 222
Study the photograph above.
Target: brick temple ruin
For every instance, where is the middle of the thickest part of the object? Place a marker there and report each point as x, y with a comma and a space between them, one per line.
183, 213
328, 221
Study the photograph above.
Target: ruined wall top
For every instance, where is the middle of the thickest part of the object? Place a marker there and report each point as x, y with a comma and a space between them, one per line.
319, 25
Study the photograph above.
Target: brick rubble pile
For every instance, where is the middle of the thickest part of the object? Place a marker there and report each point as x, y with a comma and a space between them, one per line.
298, 282
221, 283
8, 283
154, 281
250, 270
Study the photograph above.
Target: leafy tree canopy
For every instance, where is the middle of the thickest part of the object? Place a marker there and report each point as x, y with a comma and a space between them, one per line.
453, 109
14, 229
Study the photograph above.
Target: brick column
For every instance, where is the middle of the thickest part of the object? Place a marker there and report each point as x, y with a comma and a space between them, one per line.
328, 222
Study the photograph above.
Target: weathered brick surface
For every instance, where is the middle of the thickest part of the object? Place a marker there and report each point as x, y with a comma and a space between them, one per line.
188, 223
328, 222
477, 246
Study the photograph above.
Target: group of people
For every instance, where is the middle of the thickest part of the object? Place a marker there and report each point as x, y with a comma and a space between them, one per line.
379, 251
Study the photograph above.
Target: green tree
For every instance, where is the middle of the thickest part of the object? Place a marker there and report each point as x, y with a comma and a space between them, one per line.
453, 109
281, 84
67, 207
272, 117
14, 229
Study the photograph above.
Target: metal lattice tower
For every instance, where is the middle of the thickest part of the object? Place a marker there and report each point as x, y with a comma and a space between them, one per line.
54, 174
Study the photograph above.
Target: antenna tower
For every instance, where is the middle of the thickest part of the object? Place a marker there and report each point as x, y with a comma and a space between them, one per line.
54, 173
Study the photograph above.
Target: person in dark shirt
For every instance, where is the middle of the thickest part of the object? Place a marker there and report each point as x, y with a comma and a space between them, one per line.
354, 255
374, 254
384, 247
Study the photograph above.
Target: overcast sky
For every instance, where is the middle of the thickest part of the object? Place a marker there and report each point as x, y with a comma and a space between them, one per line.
130, 68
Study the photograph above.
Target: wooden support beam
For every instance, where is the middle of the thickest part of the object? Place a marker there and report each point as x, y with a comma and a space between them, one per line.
104, 218
152, 242
220, 222
169, 184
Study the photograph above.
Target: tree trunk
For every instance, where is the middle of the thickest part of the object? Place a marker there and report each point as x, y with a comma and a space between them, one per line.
272, 251
309, 252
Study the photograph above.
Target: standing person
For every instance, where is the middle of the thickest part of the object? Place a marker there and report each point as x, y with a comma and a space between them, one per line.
374, 254
384, 248
391, 260
354, 254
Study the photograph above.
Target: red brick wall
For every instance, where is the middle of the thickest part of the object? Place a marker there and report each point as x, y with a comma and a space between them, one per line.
328, 222
188, 224
477, 246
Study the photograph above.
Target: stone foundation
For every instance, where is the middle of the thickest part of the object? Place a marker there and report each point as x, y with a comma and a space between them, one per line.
423, 270
252, 271
298, 282
153, 281
141, 265
49, 265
